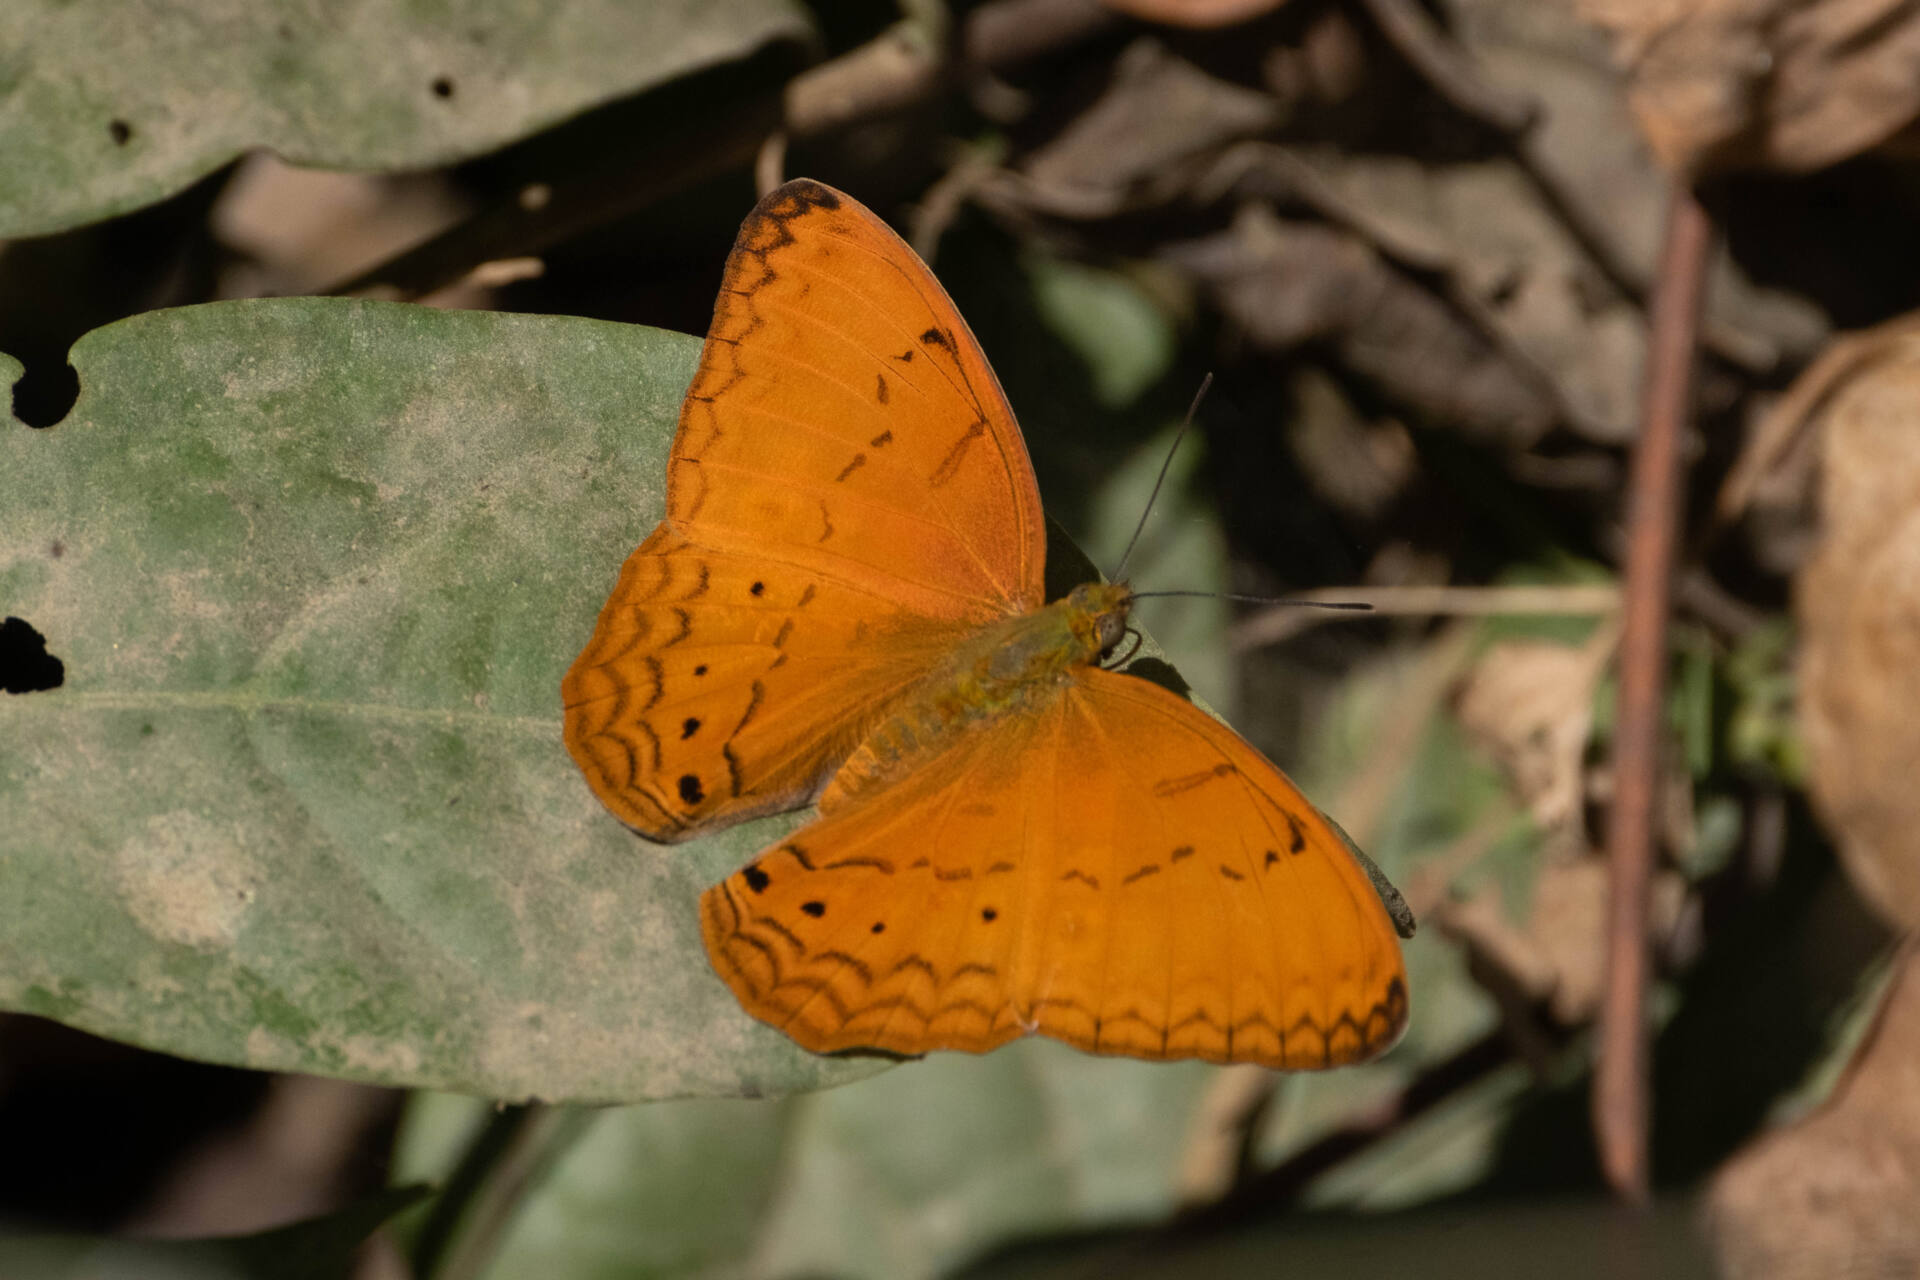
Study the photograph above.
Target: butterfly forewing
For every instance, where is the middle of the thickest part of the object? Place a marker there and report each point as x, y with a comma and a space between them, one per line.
847, 498
844, 418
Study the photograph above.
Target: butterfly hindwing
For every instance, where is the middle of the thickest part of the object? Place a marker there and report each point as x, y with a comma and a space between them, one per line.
1117, 870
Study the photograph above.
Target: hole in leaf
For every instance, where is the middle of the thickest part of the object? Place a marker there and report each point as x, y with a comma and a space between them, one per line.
25, 664
442, 87
45, 393
120, 131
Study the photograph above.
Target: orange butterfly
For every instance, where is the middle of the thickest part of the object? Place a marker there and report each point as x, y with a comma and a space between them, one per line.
844, 603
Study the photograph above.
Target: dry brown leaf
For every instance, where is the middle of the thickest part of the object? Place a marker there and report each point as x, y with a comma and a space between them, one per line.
1858, 602
1159, 110
1784, 84
1559, 954
1288, 282
1776, 468
1835, 1194
1530, 705
1194, 13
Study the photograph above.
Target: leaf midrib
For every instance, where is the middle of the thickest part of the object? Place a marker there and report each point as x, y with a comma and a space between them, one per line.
61, 702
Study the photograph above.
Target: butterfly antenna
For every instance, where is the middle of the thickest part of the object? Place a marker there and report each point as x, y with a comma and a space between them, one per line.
1121, 569
1351, 606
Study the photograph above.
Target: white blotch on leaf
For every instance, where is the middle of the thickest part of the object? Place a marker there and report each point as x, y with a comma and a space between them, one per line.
186, 880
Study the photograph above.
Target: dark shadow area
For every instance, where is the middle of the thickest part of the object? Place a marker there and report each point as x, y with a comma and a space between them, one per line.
1844, 237
91, 1127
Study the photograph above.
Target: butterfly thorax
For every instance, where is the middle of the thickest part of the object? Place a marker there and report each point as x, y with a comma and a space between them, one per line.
1008, 666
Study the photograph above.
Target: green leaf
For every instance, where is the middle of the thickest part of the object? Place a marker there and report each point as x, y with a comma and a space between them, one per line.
315, 568
908, 1174
317, 1249
113, 104
662, 1189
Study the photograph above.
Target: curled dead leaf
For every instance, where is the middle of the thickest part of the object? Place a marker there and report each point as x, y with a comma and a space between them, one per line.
1784, 84
1858, 603
1834, 1194
1530, 705
1130, 144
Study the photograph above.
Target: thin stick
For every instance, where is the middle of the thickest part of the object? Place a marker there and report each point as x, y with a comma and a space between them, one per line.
1621, 1076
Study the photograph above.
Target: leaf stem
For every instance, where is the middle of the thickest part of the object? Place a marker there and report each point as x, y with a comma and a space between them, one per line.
506, 1159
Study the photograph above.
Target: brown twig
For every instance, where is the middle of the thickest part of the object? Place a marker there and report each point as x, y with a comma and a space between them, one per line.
1620, 1086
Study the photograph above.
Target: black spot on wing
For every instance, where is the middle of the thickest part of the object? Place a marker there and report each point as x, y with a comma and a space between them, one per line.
951, 463
689, 727
691, 792
757, 880
814, 909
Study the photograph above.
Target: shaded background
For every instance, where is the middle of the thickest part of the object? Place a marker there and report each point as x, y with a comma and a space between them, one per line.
1414, 243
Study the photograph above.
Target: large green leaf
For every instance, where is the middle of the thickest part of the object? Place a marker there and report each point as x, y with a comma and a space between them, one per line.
113, 104
314, 568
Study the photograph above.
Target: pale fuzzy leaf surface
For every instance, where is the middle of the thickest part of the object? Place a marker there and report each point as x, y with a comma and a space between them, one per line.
315, 568
108, 105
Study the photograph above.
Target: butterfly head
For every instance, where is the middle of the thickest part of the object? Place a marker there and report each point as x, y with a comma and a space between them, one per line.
1098, 613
